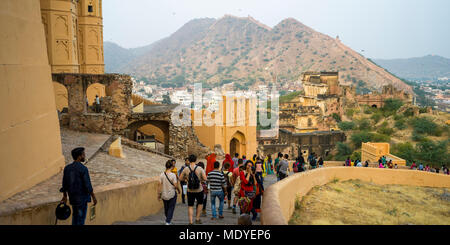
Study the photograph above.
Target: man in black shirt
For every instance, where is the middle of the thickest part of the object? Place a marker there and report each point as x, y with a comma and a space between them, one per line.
76, 182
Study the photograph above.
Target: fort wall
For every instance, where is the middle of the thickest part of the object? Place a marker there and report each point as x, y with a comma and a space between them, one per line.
279, 199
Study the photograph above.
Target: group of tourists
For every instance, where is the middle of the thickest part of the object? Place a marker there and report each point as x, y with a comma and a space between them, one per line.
429, 168
237, 182
300, 165
384, 163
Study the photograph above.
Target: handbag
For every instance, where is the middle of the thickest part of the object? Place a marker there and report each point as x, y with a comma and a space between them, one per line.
250, 194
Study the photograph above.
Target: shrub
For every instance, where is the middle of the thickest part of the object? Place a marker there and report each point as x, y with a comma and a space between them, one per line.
385, 130
343, 150
391, 106
398, 117
356, 155
367, 110
336, 117
424, 125
364, 124
347, 126
360, 137
418, 137
350, 112
433, 153
409, 112
380, 138
404, 150
376, 117
400, 124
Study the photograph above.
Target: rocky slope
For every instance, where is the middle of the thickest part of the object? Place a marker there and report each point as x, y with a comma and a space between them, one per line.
247, 51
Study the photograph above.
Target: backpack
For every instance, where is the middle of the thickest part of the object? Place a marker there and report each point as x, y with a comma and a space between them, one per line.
193, 181
227, 178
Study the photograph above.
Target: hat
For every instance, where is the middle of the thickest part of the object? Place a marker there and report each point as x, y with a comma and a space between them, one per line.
62, 211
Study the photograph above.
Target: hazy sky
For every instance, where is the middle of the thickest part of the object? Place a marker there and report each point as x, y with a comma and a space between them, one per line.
382, 28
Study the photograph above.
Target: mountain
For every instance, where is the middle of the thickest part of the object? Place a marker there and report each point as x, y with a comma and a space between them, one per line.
116, 56
422, 68
218, 51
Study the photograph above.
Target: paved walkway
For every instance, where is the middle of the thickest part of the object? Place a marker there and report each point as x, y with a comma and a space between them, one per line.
181, 214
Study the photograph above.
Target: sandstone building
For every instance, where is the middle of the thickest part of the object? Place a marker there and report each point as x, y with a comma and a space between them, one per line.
388, 92
74, 38
234, 126
373, 151
313, 111
74, 35
29, 131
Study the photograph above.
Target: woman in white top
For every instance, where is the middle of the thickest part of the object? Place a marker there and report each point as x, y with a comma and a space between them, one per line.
167, 190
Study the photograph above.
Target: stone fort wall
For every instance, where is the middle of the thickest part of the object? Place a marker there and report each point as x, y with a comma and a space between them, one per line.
279, 199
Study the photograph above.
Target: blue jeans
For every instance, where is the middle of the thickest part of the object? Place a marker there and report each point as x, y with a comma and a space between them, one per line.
79, 214
169, 208
221, 196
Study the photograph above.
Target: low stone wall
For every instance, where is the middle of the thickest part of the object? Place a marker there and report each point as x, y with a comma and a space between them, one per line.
280, 198
117, 202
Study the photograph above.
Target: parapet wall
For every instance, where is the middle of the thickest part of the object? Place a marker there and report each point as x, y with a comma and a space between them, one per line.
117, 202
280, 198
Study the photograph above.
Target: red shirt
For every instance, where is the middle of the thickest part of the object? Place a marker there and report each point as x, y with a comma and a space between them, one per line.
244, 183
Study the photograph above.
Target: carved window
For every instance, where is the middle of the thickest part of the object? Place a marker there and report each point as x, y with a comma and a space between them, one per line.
90, 9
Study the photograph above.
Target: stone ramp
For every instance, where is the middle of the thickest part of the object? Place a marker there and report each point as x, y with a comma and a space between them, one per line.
181, 213
91, 142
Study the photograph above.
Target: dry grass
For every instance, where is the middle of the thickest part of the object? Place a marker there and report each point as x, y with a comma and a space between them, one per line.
356, 202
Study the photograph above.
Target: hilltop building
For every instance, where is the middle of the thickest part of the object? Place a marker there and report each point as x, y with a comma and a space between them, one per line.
313, 111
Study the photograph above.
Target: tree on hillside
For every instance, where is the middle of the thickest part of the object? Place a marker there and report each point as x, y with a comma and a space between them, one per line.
391, 106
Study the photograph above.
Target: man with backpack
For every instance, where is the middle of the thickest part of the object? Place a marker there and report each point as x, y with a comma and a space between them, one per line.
183, 183
277, 164
193, 175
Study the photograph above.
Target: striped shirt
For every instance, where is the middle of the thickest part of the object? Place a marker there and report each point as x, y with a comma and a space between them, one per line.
216, 180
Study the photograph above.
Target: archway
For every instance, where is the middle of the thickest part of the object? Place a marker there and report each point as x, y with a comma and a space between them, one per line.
153, 134
61, 96
235, 147
374, 106
237, 144
95, 89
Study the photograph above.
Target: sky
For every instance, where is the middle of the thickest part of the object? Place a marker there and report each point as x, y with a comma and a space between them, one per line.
384, 29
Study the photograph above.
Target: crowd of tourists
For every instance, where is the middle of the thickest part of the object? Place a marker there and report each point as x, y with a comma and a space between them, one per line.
237, 182
444, 169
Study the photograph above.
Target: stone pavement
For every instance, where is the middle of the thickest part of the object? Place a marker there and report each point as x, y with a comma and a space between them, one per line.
72, 139
181, 213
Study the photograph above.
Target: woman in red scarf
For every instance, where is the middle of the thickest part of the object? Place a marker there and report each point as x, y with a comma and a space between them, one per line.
210, 163
229, 160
